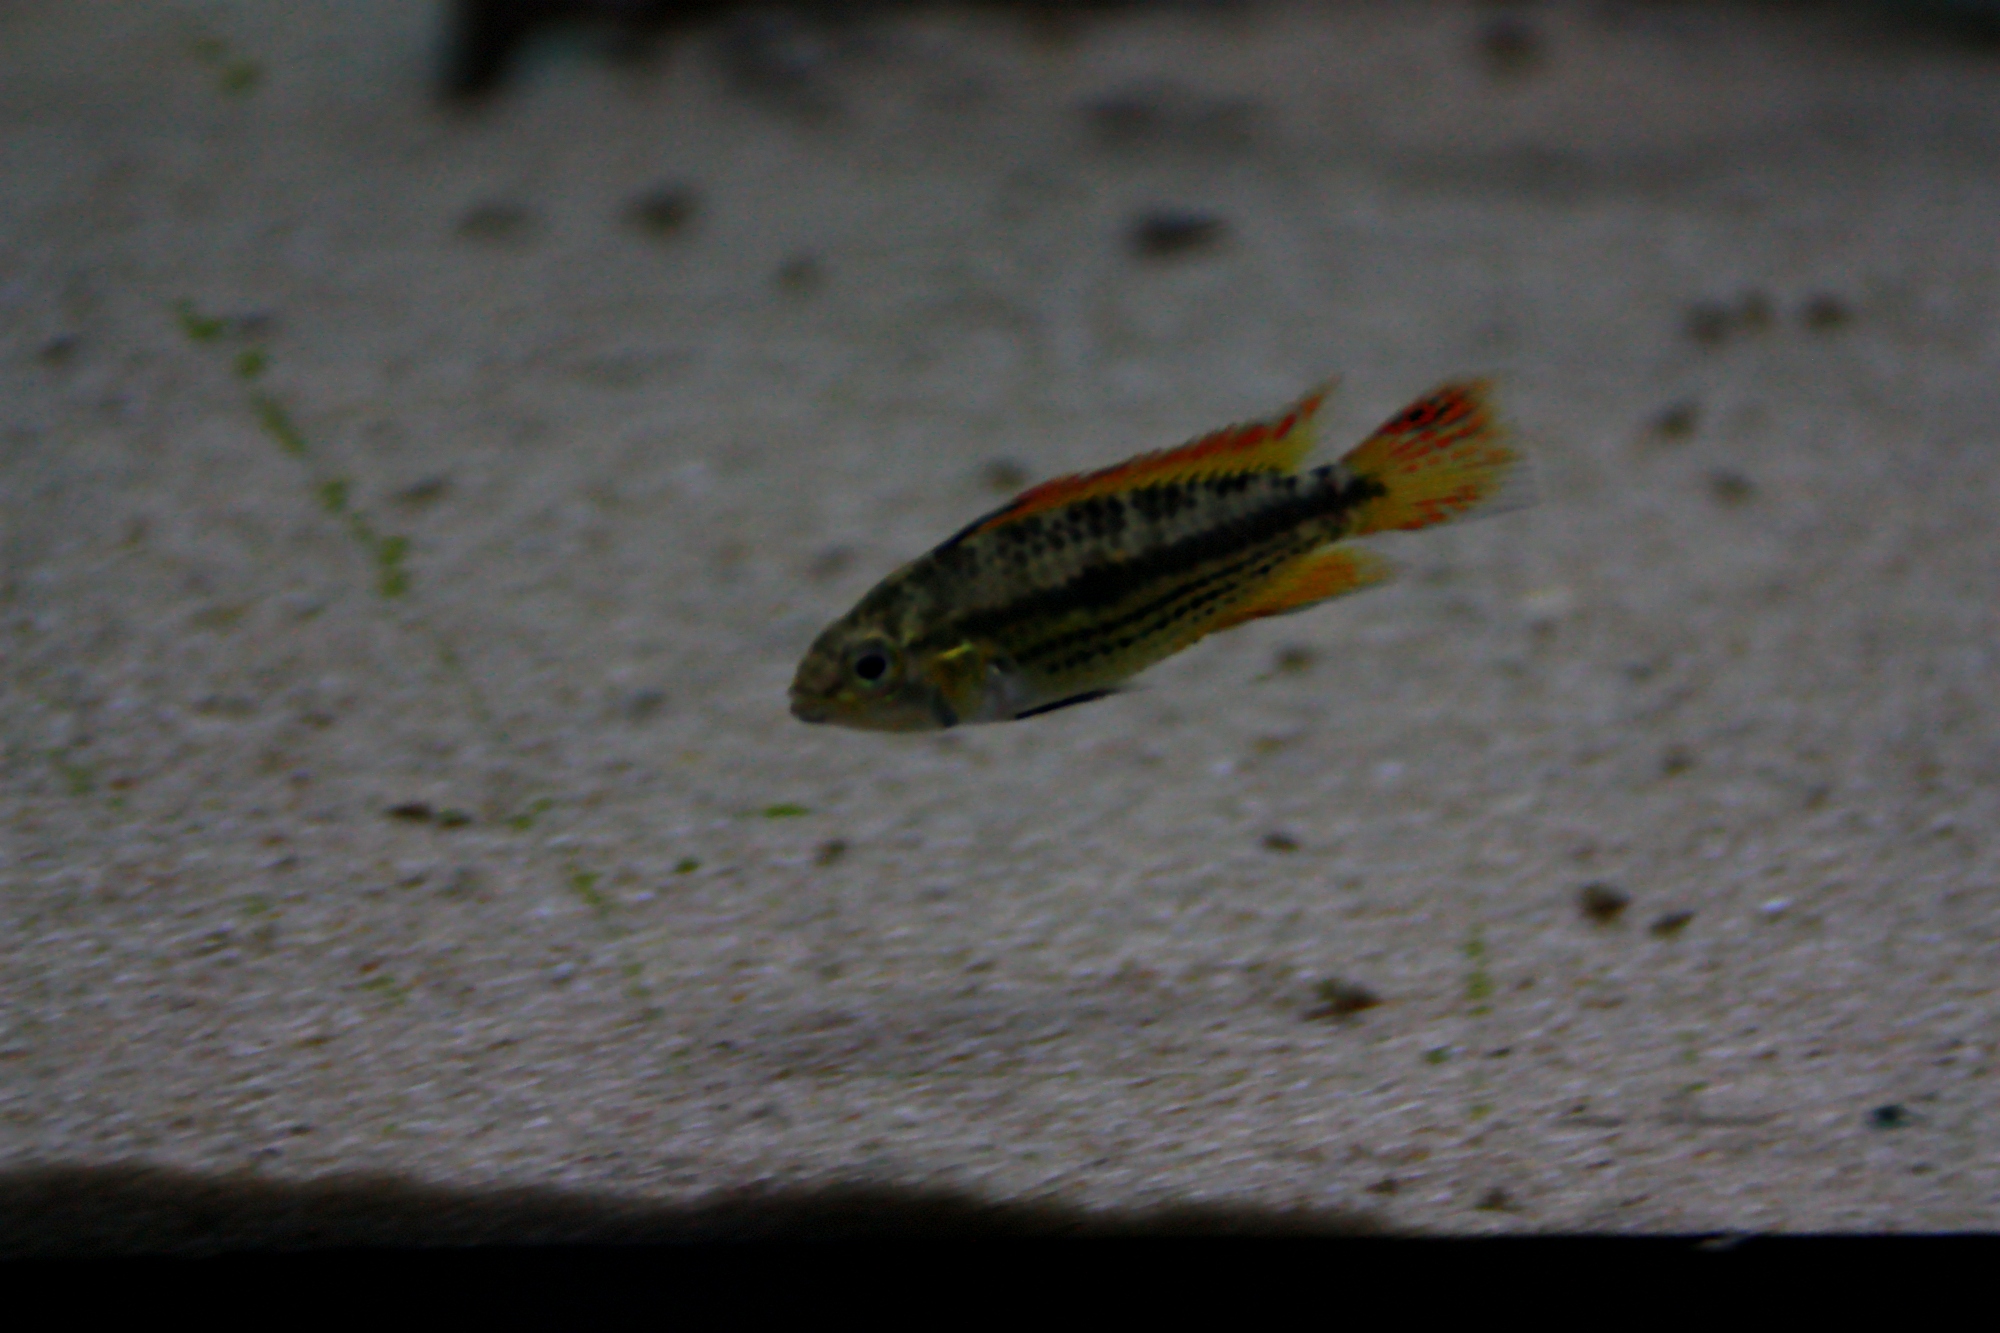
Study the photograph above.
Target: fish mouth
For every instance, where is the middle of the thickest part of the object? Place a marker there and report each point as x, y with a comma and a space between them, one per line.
810, 710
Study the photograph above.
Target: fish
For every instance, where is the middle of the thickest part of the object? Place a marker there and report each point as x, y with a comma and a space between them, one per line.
1063, 594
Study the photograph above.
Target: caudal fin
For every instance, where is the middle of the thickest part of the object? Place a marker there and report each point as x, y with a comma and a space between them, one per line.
1442, 457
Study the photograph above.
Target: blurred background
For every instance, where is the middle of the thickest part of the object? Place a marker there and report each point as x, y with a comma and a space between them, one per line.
430, 434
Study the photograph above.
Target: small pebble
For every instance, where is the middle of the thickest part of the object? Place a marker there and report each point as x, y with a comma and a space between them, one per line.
1669, 924
1708, 323
1729, 487
830, 851
423, 493
414, 812
1171, 117
1342, 999
643, 704
1677, 421
1295, 658
801, 275
663, 212
496, 222
1823, 313
1496, 1200
1712, 323
1892, 1116
1603, 903
1678, 759
1005, 475
830, 564
1509, 45
1279, 841
1165, 233
59, 350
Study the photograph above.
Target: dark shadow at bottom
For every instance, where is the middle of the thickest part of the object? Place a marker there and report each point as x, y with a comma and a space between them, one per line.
88, 1211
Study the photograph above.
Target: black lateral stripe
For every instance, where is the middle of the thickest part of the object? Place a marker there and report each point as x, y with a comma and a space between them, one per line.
1100, 585
1193, 592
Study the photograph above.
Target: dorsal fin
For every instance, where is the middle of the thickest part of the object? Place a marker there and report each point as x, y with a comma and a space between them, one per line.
1275, 444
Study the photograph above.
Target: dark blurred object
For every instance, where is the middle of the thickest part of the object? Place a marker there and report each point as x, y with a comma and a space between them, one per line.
1509, 45
497, 222
1712, 323
665, 211
1168, 115
1340, 998
1825, 312
776, 56
1164, 233
1602, 903
486, 33
1678, 420
772, 47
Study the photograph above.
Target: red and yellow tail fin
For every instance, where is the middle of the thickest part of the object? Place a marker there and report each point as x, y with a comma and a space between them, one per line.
1440, 458
1331, 571
1275, 444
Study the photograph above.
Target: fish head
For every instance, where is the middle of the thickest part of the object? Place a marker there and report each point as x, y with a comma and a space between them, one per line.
857, 674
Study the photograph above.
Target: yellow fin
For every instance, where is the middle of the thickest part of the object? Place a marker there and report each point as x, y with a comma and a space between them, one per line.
1331, 571
1275, 444
1440, 458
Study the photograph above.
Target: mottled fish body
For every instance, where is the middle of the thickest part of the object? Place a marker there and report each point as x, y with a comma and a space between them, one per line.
1081, 582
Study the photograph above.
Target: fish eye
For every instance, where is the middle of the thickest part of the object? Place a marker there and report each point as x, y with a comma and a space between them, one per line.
870, 664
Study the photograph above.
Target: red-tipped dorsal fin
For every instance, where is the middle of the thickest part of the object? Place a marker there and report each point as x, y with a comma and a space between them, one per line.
1275, 444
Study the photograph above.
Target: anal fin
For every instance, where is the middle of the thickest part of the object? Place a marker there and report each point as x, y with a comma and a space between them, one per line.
1086, 697
1331, 571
